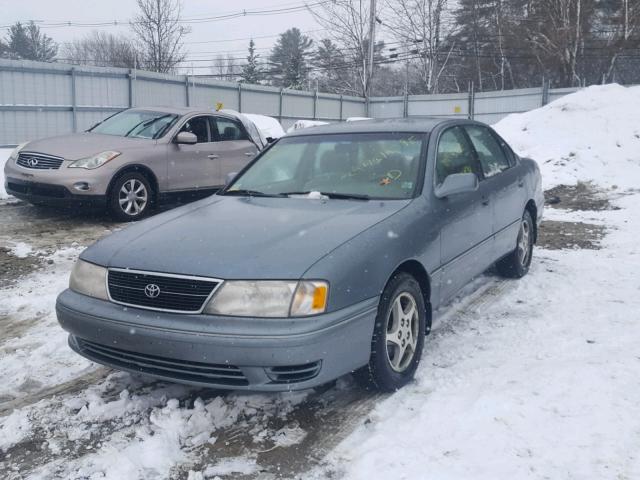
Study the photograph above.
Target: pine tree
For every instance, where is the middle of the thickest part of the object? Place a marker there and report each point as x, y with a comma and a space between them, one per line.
289, 59
251, 72
29, 43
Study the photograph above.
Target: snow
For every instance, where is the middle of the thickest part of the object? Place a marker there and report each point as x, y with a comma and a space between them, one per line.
541, 380
591, 135
300, 124
269, 126
4, 155
534, 378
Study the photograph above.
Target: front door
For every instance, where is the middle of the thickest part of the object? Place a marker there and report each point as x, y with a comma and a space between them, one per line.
234, 147
194, 167
465, 219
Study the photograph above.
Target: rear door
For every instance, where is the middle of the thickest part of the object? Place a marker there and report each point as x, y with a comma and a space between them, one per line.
465, 219
233, 146
504, 181
193, 167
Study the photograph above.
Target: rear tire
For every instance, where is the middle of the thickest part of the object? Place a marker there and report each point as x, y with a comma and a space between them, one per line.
398, 336
131, 197
517, 263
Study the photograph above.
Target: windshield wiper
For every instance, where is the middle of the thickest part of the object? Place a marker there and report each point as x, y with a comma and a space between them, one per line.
146, 123
341, 196
250, 193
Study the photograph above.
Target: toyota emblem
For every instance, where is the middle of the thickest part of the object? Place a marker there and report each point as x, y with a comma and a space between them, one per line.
32, 162
152, 290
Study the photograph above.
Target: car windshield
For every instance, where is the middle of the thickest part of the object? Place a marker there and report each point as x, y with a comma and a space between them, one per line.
136, 123
364, 165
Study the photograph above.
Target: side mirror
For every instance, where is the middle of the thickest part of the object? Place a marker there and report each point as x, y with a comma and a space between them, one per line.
271, 139
229, 178
186, 138
457, 183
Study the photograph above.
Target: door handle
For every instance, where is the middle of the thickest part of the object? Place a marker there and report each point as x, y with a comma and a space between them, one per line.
249, 154
213, 156
485, 201
520, 182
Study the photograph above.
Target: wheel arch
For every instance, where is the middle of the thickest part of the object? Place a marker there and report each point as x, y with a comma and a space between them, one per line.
416, 270
143, 170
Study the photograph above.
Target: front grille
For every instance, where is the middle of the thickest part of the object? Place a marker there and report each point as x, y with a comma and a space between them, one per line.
165, 367
39, 161
160, 292
294, 373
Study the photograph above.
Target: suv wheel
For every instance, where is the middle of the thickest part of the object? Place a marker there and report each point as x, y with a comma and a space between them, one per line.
131, 196
398, 336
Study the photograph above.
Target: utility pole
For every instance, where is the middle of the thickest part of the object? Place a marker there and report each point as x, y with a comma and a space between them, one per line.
372, 44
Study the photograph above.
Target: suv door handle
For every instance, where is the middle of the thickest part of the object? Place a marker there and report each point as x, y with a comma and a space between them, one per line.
213, 156
249, 154
520, 182
485, 201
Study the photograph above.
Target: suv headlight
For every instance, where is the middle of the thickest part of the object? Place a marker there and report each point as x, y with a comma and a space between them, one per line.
269, 298
89, 279
14, 154
96, 161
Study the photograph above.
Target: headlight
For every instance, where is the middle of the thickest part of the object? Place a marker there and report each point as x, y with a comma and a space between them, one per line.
16, 151
89, 279
271, 298
96, 161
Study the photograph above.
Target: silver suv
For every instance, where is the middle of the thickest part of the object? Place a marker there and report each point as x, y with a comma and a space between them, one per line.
134, 159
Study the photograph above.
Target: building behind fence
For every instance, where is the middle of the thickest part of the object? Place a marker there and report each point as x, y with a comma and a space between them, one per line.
44, 99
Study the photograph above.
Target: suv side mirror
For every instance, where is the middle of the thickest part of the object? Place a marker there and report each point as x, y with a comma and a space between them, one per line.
186, 138
457, 183
229, 178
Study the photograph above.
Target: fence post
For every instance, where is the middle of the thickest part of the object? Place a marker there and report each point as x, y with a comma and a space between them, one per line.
315, 104
341, 106
130, 88
406, 105
472, 101
545, 92
74, 100
366, 106
186, 90
240, 97
280, 105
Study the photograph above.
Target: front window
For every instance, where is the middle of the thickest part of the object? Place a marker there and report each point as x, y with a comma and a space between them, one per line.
380, 165
136, 123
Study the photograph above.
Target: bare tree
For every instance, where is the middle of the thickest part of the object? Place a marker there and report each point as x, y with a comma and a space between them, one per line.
421, 24
348, 24
101, 49
160, 34
224, 68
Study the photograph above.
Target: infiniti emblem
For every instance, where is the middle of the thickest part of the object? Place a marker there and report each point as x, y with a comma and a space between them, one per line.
152, 290
32, 162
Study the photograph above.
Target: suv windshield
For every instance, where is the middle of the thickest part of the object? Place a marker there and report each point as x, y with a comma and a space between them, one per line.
363, 165
136, 123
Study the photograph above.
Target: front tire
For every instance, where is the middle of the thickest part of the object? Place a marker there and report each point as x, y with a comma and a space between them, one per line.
398, 336
130, 198
517, 263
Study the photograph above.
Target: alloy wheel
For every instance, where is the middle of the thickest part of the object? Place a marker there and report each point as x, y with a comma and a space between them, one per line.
402, 331
133, 197
524, 242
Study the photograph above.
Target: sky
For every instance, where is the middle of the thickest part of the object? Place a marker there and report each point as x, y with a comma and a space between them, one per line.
207, 39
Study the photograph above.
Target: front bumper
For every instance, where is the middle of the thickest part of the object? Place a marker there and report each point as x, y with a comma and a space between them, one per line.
50, 194
220, 352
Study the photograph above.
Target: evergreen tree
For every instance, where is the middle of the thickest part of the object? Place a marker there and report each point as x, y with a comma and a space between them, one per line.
251, 72
332, 68
28, 43
289, 59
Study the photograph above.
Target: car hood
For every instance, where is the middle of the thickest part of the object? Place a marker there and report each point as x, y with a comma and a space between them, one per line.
240, 237
82, 145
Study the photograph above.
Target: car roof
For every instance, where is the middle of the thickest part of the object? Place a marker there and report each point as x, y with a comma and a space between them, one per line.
409, 125
184, 110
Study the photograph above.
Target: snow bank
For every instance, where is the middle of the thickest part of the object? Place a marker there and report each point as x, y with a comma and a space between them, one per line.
269, 126
4, 154
591, 135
